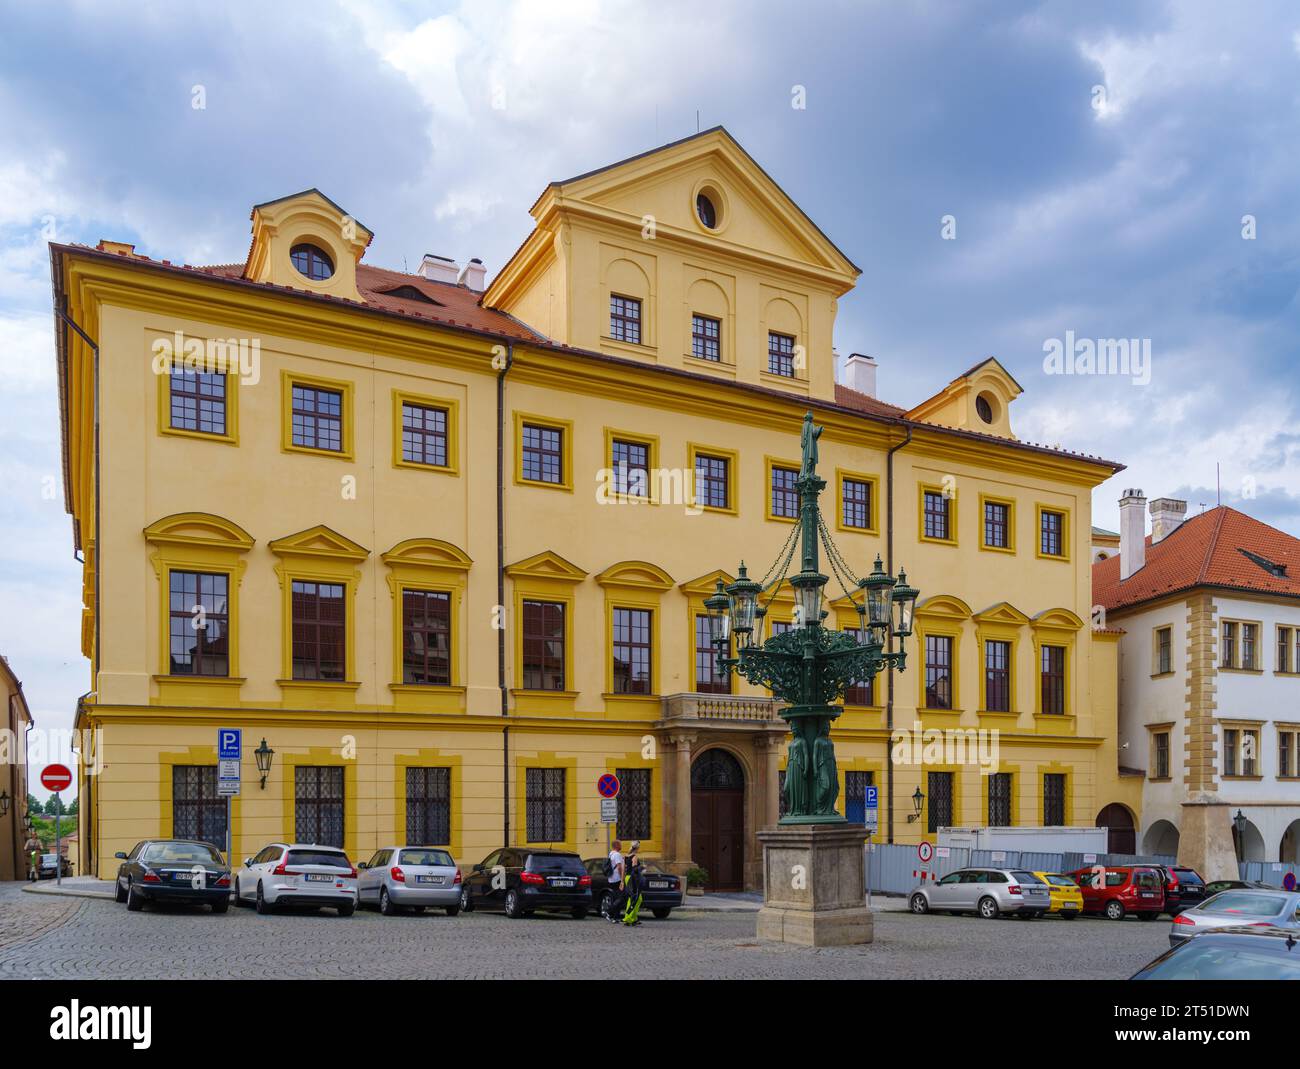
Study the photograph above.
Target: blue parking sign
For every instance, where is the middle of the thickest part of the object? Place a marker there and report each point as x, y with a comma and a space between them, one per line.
870, 798
229, 743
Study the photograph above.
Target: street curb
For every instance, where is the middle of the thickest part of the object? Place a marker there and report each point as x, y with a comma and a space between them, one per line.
66, 892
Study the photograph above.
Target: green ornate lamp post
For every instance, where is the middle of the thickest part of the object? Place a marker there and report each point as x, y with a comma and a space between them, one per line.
809, 666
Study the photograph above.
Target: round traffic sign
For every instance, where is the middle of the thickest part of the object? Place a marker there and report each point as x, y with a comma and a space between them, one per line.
608, 785
56, 777
1288, 881
925, 851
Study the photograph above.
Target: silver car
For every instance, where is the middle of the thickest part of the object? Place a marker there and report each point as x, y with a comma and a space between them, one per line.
402, 877
1236, 908
988, 892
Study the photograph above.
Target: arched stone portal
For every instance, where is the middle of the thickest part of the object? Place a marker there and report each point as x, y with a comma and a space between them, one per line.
1161, 839
1121, 835
1250, 846
718, 819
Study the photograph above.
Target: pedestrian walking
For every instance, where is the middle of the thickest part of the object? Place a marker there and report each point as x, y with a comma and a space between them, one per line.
633, 885
615, 868
32, 848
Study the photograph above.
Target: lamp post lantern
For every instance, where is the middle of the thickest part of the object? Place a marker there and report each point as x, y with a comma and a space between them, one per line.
809, 666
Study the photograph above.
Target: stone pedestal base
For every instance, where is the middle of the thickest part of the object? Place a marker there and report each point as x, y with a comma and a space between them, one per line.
1205, 838
813, 890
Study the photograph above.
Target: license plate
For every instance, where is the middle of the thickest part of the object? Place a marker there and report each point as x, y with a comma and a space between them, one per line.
313, 877
658, 885
562, 883
1148, 894
428, 879
182, 877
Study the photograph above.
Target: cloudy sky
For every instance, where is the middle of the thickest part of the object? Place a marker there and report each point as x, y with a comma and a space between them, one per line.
1104, 167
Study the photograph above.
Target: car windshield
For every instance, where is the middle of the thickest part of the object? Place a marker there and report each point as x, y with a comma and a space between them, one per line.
550, 864
1187, 876
425, 857
331, 858
1211, 958
1245, 902
1026, 877
1062, 881
180, 854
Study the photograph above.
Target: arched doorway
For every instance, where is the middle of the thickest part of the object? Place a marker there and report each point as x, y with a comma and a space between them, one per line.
1121, 836
1289, 851
1161, 840
718, 819
1250, 846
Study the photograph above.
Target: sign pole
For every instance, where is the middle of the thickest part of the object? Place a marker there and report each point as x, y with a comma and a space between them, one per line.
58, 840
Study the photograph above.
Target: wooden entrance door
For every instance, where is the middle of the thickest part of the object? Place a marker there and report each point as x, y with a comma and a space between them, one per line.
1121, 835
718, 819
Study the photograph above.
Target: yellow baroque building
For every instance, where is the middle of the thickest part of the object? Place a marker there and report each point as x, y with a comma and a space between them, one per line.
443, 546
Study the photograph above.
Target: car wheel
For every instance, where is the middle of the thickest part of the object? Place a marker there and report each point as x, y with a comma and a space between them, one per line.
263, 906
453, 911
134, 902
578, 913
988, 908
347, 909
661, 914
465, 903
1114, 910
386, 906
119, 895
512, 905
919, 904
221, 906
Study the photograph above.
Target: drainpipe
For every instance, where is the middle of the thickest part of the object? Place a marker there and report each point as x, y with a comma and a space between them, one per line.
501, 592
889, 569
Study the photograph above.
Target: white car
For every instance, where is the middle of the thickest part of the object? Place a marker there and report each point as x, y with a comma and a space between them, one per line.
299, 874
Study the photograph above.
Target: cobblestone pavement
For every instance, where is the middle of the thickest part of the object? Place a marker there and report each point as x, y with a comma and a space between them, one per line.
90, 938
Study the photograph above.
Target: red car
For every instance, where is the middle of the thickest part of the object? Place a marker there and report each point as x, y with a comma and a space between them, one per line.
1117, 890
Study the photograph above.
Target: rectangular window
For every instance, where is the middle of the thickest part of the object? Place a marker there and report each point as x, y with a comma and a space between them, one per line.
997, 526
855, 796
1230, 751
785, 497
317, 418
709, 678
1164, 650
712, 481
426, 637
199, 624
706, 337
1228, 652
1249, 645
319, 630
780, 354
543, 454
1162, 755
997, 676
938, 802
1283, 650
544, 805
632, 651
937, 523
424, 434
198, 812
633, 803
1286, 753
938, 672
1051, 533
1250, 753
630, 462
856, 504
544, 638
428, 806
625, 319
1000, 800
318, 804
857, 693
1053, 799
1053, 679
198, 401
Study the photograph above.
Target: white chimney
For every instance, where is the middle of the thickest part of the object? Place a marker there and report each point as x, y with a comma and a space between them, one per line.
473, 275
1132, 532
860, 374
438, 269
1166, 514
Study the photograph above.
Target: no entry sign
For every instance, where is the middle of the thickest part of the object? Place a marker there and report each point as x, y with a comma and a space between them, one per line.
608, 785
56, 777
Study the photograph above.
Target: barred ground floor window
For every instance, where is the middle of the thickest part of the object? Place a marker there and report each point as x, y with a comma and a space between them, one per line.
634, 803
428, 806
318, 804
198, 812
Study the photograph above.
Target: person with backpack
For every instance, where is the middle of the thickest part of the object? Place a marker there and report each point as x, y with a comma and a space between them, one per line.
633, 886
615, 869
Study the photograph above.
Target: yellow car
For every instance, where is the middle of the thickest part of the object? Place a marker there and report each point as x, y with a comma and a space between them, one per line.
1067, 899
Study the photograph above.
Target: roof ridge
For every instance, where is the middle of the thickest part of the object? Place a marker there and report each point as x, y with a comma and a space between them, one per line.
1211, 544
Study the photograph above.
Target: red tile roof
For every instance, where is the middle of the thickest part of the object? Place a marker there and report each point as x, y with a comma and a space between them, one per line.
1206, 550
863, 402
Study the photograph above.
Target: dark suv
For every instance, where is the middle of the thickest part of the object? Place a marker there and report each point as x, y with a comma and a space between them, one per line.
1184, 888
520, 880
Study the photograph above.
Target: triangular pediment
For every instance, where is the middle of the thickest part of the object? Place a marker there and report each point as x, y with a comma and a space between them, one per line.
319, 541
546, 565
706, 584
635, 573
198, 529
1002, 613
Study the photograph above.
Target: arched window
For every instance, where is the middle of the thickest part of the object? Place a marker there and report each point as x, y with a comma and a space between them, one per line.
717, 770
312, 261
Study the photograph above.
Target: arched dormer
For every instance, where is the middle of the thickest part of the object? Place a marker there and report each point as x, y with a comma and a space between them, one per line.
977, 400
307, 242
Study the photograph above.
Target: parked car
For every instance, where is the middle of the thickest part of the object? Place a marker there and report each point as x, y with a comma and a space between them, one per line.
1242, 907
663, 892
1117, 890
1067, 899
49, 867
1215, 886
1184, 887
173, 870
521, 880
1229, 954
988, 892
409, 877
298, 874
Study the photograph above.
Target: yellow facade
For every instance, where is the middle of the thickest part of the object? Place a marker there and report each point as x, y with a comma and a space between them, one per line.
251, 505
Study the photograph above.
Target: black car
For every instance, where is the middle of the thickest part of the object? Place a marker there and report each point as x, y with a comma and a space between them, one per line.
1184, 888
173, 870
518, 881
1215, 886
1229, 954
662, 894
50, 866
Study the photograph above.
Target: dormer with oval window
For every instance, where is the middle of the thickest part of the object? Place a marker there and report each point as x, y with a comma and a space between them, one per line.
307, 242
977, 400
